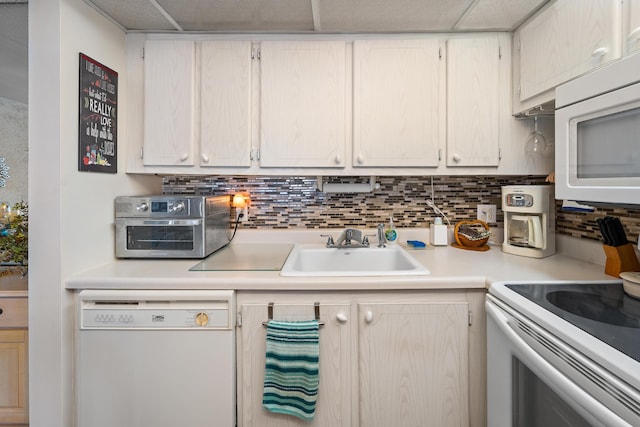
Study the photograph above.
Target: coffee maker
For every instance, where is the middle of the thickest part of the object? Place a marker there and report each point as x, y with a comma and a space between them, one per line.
529, 220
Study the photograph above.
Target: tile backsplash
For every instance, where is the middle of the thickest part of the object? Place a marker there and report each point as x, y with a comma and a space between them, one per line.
295, 202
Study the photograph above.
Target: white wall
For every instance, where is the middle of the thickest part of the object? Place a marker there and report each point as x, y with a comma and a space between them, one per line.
14, 52
71, 212
13, 148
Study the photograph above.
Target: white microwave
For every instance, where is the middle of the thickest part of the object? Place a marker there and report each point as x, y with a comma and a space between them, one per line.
598, 135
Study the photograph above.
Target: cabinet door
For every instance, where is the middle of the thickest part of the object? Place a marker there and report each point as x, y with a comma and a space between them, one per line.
397, 103
334, 395
225, 103
302, 104
169, 125
13, 372
473, 87
633, 26
566, 40
413, 364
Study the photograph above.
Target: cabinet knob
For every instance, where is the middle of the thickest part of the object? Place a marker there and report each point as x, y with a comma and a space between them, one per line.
184, 157
342, 318
205, 158
456, 158
368, 316
634, 35
599, 52
338, 159
360, 159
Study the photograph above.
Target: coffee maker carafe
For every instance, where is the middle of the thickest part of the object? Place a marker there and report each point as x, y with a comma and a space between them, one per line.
529, 220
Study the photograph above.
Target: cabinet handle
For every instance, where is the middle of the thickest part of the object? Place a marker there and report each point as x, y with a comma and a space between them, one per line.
342, 318
0, 311
634, 35
368, 316
184, 157
456, 158
205, 158
360, 159
338, 159
599, 52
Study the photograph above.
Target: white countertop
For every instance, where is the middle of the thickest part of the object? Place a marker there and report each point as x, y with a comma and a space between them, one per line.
450, 268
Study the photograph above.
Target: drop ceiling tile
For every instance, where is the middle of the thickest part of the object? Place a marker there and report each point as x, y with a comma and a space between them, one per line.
385, 15
498, 14
134, 14
241, 15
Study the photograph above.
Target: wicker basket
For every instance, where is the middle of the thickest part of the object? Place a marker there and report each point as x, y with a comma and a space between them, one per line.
472, 234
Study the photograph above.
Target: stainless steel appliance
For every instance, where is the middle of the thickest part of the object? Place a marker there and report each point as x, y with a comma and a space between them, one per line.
562, 354
529, 220
597, 125
171, 226
156, 358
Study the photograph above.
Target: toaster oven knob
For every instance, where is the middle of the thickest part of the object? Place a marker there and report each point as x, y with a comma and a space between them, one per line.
142, 207
202, 319
178, 207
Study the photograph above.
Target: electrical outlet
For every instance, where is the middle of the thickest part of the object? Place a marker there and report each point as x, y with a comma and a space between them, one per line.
245, 214
487, 213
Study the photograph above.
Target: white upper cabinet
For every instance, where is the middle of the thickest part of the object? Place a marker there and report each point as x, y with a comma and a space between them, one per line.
565, 40
302, 104
169, 100
225, 103
632, 27
473, 89
398, 108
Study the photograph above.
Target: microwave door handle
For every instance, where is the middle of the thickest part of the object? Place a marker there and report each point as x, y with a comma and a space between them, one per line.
579, 400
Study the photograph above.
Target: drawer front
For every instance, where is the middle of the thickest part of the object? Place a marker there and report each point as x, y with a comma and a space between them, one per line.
13, 313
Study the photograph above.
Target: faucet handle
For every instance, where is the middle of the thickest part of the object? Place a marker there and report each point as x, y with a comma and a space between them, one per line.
365, 240
329, 237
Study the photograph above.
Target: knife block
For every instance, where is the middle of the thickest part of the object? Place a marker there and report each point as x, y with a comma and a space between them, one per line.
619, 259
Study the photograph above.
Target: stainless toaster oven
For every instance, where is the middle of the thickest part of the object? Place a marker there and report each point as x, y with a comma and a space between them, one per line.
173, 226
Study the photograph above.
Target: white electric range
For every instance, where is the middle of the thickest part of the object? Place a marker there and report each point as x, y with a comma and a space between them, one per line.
563, 354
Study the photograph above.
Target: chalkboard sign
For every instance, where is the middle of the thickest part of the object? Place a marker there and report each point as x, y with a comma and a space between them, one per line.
98, 130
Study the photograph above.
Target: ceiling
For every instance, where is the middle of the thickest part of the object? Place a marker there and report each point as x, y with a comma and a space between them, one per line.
321, 16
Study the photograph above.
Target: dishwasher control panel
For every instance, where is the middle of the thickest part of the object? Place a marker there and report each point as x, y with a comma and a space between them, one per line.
101, 312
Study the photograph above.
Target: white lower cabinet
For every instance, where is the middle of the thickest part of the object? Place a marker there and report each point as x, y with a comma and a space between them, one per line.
412, 361
334, 396
406, 358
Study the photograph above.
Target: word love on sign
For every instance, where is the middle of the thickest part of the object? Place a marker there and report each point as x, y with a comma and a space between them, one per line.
98, 129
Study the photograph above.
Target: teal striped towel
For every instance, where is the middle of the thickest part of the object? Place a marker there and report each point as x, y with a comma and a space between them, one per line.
291, 369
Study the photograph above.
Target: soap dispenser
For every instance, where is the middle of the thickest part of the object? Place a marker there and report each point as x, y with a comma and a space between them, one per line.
391, 234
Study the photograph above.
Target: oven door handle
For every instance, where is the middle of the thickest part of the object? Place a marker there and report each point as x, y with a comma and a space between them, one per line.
575, 396
151, 222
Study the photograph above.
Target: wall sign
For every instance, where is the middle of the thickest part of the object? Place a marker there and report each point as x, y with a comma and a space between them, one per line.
98, 129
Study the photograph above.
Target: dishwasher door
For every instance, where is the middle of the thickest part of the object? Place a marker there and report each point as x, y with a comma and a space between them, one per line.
156, 359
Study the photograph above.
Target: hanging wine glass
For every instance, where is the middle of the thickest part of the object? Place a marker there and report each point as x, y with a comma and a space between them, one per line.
536, 142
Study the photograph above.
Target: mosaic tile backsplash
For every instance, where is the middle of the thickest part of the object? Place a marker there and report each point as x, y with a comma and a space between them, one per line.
295, 202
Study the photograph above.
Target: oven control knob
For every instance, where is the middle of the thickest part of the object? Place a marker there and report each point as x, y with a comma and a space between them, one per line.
202, 319
142, 207
177, 207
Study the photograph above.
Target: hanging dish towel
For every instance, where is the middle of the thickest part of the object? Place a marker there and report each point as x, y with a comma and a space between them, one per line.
291, 370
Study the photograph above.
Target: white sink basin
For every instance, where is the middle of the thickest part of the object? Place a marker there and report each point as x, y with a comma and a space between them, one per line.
317, 260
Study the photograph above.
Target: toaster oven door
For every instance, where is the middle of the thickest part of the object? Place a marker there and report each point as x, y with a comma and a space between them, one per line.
159, 238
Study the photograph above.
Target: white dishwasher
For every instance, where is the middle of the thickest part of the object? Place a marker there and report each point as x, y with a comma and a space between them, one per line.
156, 358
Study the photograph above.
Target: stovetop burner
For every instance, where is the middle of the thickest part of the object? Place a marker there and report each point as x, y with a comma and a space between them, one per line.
601, 309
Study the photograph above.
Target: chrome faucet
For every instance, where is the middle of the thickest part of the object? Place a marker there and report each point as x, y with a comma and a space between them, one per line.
380, 236
349, 238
